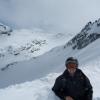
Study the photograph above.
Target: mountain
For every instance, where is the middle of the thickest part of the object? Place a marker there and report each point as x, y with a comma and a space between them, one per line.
25, 44
5, 29
88, 34
35, 77
41, 87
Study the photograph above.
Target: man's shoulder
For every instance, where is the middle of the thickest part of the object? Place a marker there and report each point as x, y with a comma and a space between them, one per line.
81, 73
61, 77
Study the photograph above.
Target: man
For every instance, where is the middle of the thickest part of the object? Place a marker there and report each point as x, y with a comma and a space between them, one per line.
73, 84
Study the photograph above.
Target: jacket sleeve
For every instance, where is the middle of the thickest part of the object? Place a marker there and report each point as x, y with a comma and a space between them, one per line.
88, 89
57, 88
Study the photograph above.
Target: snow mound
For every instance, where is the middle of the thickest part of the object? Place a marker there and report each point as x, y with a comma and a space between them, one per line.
42, 88
36, 90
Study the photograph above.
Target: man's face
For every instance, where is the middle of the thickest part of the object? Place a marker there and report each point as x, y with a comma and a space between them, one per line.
72, 68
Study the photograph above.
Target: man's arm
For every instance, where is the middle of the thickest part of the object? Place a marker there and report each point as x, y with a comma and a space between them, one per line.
57, 88
88, 89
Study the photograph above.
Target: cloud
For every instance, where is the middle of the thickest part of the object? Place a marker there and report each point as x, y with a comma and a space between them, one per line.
50, 15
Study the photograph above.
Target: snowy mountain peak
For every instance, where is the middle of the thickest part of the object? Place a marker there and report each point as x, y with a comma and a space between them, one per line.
87, 27
5, 29
88, 34
90, 25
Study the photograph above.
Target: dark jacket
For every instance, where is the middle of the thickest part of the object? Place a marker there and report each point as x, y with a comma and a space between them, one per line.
78, 86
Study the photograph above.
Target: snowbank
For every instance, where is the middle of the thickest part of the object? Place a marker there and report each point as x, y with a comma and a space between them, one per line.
35, 90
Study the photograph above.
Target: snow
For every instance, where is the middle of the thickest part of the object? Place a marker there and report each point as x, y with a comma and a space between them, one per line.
25, 44
4, 28
35, 90
52, 61
41, 88
94, 27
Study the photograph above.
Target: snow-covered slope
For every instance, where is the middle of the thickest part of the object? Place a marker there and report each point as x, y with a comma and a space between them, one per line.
89, 59
25, 44
50, 62
53, 60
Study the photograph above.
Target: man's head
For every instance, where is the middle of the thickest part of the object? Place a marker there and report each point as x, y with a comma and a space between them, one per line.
71, 64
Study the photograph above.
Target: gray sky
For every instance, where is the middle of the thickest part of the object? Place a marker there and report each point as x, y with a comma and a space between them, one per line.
50, 15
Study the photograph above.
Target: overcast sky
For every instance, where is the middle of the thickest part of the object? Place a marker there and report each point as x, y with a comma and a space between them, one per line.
50, 15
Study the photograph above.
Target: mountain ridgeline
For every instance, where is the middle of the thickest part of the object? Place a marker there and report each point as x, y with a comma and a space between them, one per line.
88, 34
